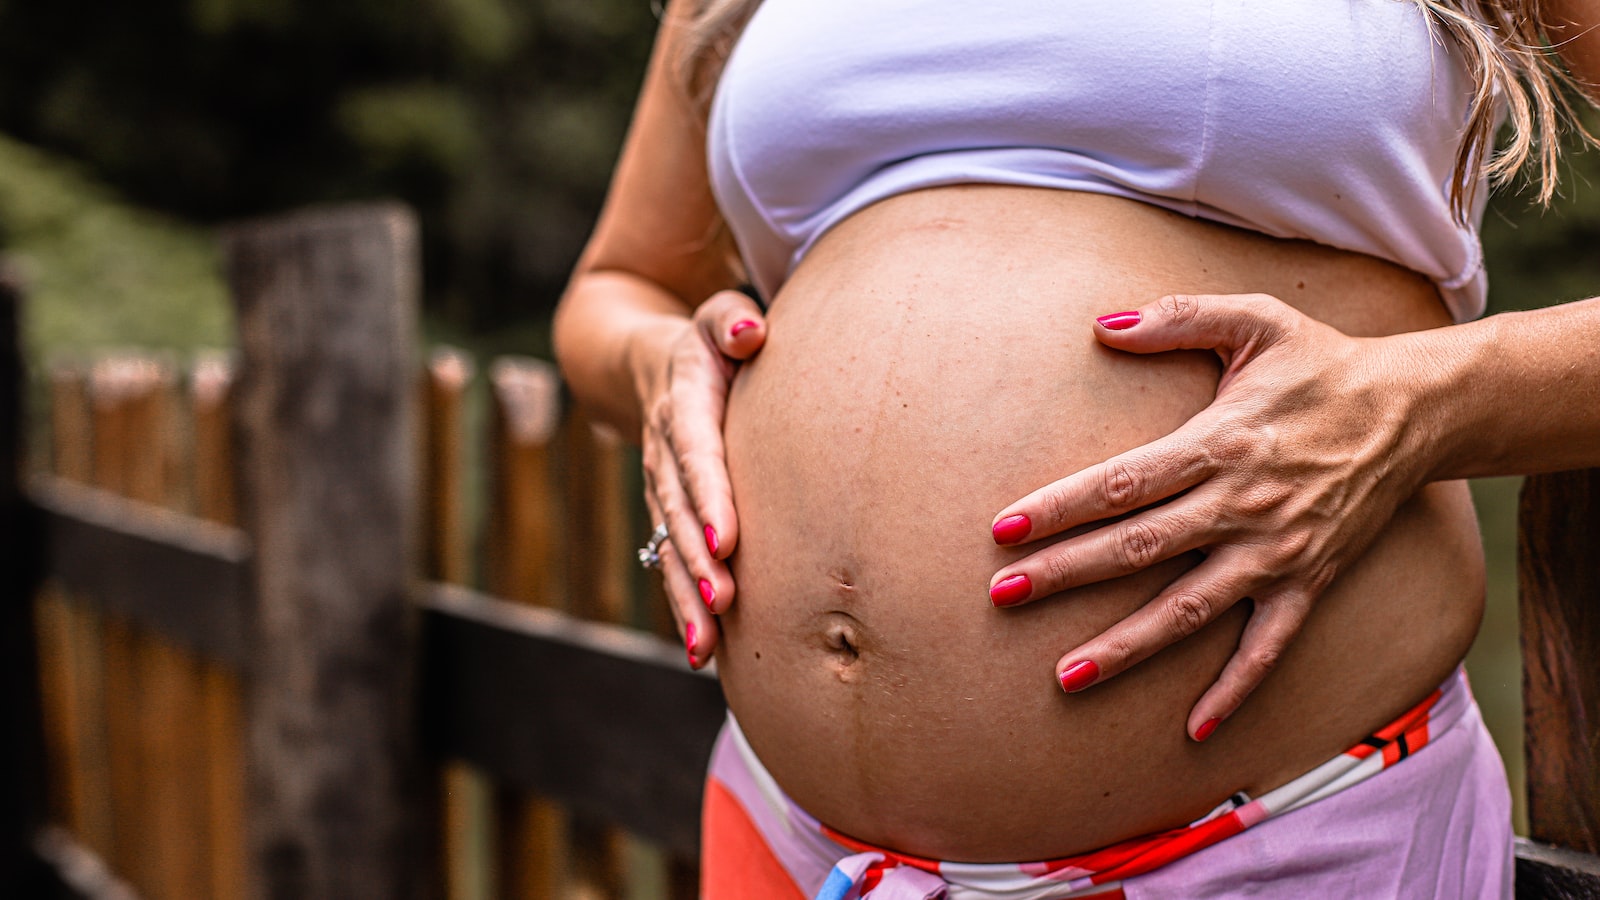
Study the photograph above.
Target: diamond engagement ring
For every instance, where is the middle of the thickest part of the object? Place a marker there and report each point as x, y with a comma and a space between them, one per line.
650, 553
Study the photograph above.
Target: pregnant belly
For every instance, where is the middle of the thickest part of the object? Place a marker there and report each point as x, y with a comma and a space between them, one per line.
932, 361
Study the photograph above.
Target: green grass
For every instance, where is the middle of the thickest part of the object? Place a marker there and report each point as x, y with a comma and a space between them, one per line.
102, 273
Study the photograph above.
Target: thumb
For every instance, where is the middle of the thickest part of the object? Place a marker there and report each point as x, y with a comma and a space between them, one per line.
732, 322
1229, 324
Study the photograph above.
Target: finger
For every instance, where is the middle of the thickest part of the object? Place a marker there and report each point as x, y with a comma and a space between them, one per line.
712, 582
1226, 323
1107, 552
732, 323
695, 434
696, 625
1119, 485
1272, 625
1183, 608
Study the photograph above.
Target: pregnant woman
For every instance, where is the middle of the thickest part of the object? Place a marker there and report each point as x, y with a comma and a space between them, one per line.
953, 212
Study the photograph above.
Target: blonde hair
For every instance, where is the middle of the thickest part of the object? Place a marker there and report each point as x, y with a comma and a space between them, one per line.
1505, 46
1502, 41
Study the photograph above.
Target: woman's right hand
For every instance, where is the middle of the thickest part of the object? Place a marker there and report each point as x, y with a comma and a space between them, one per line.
684, 394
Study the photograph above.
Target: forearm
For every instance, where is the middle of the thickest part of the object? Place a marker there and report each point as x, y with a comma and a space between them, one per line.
1512, 394
611, 331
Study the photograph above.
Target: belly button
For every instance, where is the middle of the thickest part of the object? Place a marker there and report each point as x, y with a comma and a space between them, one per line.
842, 639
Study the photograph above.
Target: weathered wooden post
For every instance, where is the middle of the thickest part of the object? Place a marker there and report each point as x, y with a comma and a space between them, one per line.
1558, 568
327, 306
22, 751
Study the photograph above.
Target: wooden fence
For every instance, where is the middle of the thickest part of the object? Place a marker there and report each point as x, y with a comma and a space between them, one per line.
269, 656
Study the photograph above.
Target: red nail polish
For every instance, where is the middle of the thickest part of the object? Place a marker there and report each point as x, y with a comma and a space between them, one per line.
1010, 591
707, 593
1079, 675
711, 540
689, 645
1012, 529
1205, 729
1119, 321
741, 326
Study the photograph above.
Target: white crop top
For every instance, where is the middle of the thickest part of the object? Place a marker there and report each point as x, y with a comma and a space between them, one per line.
1336, 121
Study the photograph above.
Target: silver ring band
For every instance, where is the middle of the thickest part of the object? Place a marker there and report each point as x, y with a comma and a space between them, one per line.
650, 553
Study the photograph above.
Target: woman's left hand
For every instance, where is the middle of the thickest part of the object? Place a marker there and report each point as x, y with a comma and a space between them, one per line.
1314, 440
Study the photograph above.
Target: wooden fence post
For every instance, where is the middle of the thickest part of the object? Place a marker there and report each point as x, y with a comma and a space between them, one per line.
22, 750
1558, 563
327, 308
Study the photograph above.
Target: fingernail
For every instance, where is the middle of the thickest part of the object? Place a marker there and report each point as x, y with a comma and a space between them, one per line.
1010, 591
690, 644
1119, 321
707, 593
711, 540
1012, 529
1079, 675
741, 326
1205, 729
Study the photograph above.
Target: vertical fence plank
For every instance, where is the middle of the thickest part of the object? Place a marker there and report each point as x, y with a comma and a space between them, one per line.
73, 649
519, 547
153, 687
112, 384
211, 393
463, 794
171, 732
22, 751
520, 541
215, 498
597, 520
1558, 541
71, 426
447, 548
327, 305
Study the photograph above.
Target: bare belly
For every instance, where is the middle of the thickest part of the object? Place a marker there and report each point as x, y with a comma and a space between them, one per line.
930, 362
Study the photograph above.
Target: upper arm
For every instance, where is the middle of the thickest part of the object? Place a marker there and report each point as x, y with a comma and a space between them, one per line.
1574, 29
660, 221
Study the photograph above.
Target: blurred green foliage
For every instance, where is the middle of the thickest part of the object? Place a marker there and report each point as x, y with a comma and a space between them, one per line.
1538, 256
498, 120
101, 273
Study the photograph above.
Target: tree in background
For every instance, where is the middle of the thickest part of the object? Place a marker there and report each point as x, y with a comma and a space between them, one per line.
499, 121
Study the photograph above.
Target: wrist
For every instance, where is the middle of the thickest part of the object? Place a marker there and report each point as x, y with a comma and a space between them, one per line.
1435, 375
647, 352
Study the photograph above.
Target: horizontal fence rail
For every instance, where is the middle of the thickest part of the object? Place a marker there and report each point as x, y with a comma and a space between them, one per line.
517, 690
600, 717
179, 575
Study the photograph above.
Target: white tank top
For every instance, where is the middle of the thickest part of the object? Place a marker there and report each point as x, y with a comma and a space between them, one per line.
1336, 121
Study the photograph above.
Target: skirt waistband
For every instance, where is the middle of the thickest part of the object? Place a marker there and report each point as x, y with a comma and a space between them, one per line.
859, 870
